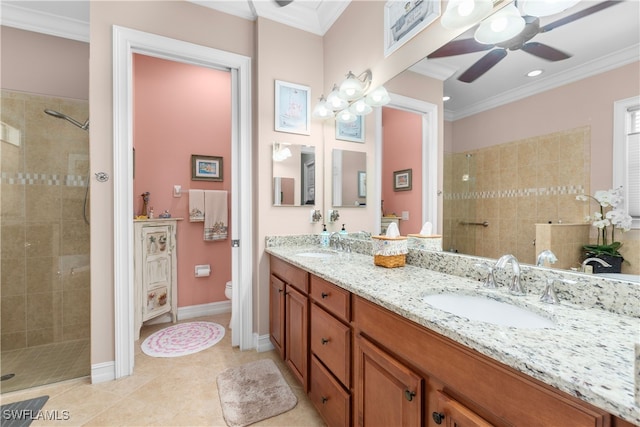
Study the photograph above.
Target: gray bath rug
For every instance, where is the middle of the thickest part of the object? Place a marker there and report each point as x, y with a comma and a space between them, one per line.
21, 414
253, 392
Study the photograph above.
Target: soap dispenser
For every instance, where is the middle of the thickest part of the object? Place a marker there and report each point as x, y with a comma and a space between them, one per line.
343, 231
324, 236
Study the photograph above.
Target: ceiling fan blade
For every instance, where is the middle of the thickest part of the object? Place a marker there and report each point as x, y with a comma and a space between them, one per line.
585, 12
483, 65
545, 52
460, 47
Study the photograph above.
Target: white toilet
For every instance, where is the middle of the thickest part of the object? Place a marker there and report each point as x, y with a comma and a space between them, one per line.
228, 292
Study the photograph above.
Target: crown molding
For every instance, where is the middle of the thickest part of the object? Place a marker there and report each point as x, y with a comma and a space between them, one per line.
41, 22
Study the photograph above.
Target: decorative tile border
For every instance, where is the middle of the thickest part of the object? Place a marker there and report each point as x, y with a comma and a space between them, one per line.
26, 178
521, 192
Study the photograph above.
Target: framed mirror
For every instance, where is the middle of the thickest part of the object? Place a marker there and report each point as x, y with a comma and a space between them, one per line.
349, 178
294, 174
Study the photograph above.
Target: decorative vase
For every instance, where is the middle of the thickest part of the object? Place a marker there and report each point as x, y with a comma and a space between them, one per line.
614, 261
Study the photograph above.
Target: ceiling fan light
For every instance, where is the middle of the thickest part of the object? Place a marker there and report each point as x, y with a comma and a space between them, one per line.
335, 100
346, 116
545, 7
360, 108
501, 26
463, 13
378, 97
351, 88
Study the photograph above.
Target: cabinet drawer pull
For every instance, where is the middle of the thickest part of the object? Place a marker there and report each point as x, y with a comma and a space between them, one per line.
281, 290
324, 399
324, 341
324, 295
438, 417
409, 395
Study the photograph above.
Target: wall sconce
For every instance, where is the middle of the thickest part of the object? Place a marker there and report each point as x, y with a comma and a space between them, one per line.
280, 151
348, 101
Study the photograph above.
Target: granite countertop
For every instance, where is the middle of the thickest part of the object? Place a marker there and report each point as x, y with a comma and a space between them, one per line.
589, 354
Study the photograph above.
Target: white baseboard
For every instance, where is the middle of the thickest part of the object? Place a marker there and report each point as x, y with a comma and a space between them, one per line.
193, 311
103, 372
262, 343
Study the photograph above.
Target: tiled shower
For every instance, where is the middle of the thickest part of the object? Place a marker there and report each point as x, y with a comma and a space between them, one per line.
45, 274
512, 187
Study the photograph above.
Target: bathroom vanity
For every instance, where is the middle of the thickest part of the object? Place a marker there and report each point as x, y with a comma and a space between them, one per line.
368, 350
155, 270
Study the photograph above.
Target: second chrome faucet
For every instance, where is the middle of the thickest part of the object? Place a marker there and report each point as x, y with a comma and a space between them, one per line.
515, 287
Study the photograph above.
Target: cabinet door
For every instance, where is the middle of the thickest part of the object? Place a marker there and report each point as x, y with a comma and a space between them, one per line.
452, 413
297, 334
276, 314
156, 271
387, 392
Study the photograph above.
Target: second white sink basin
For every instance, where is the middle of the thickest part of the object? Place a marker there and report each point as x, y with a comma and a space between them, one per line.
488, 310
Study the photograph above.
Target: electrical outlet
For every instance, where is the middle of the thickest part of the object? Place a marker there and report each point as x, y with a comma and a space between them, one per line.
405, 215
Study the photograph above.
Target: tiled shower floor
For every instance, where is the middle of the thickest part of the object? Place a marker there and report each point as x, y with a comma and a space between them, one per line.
45, 364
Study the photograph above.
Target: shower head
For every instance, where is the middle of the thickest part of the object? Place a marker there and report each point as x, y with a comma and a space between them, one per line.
83, 126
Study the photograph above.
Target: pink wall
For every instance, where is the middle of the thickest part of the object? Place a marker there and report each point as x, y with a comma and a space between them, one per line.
181, 110
402, 149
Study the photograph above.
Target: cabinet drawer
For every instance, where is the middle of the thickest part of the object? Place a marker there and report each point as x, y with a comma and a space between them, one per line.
331, 343
290, 274
334, 299
329, 398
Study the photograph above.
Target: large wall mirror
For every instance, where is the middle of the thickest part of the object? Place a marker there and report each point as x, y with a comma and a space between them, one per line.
294, 174
562, 161
349, 178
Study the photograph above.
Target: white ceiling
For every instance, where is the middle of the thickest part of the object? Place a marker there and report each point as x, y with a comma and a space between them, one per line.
602, 41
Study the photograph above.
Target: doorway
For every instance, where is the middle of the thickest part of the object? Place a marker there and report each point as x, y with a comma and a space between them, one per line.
126, 43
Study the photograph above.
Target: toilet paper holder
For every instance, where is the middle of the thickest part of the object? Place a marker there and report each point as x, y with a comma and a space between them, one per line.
203, 270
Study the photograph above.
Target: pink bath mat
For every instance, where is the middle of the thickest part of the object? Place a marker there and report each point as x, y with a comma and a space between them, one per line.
183, 339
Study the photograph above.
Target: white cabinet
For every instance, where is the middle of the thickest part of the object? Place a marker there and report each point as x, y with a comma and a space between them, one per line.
155, 284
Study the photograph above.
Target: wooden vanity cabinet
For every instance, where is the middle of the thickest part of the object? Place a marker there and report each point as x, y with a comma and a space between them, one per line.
330, 351
468, 386
289, 317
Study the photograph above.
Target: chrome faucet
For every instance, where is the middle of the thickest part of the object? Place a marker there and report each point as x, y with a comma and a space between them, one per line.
516, 286
546, 255
598, 260
335, 243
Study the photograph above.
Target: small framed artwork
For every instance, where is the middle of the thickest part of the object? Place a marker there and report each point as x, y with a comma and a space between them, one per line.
402, 180
206, 168
404, 19
293, 108
362, 184
353, 131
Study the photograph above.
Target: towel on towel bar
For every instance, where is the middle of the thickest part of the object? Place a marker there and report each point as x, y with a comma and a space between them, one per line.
196, 205
215, 215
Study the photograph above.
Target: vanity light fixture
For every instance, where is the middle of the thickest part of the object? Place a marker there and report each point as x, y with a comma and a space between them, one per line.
281, 151
350, 100
544, 7
462, 13
503, 25
534, 73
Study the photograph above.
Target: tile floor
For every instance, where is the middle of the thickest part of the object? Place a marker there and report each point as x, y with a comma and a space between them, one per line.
45, 364
177, 391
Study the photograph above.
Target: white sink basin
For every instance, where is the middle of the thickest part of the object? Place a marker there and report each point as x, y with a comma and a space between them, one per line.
319, 254
488, 310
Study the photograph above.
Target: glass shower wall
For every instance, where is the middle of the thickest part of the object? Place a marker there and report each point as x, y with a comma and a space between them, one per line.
45, 268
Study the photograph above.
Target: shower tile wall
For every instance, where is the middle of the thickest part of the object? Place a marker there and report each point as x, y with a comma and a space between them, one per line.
45, 275
513, 186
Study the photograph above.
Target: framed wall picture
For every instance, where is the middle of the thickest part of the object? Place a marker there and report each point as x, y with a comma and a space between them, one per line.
404, 19
362, 184
353, 131
402, 180
293, 108
206, 168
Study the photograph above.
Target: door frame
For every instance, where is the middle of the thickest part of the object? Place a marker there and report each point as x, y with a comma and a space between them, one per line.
126, 42
429, 113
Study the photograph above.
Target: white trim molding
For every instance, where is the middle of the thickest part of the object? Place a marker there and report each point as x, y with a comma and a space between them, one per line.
126, 42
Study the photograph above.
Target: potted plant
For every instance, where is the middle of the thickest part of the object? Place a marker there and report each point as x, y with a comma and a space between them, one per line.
606, 220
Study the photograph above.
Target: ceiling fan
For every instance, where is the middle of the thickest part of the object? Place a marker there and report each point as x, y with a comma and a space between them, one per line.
498, 51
